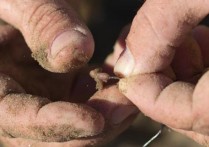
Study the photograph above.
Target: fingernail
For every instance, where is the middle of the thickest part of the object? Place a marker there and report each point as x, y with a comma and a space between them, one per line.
122, 113
72, 38
125, 64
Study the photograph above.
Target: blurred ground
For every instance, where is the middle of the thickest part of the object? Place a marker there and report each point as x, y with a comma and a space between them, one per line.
143, 129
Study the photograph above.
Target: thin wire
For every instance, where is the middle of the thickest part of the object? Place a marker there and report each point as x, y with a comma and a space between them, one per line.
154, 137
115, 78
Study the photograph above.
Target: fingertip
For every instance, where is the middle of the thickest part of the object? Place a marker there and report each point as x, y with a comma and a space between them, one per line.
69, 51
125, 64
36, 118
73, 121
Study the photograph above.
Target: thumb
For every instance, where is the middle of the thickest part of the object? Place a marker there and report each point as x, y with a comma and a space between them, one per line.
158, 28
59, 40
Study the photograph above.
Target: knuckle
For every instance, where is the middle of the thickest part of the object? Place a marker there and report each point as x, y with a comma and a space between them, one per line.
42, 21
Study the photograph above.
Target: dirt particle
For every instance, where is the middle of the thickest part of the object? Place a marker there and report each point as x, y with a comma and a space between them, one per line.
123, 85
99, 77
41, 56
18, 104
57, 132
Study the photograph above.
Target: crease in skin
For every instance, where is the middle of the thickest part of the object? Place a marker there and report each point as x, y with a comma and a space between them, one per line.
36, 10
150, 23
49, 23
39, 20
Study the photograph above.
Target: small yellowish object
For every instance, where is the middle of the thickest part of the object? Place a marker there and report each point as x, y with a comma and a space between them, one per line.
100, 77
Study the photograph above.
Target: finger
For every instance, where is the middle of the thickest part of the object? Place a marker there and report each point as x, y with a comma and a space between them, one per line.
201, 34
179, 105
117, 110
26, 116
157, 98
119, 47
187, 61
114, 106
200, 105
57, 37
157, 29
109, 102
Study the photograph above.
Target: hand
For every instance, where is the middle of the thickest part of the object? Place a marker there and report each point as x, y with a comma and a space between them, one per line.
41, 108
165, 65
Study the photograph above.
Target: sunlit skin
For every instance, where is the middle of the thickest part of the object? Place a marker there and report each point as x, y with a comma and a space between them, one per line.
46, 108
42, 99
166, 77
165, 35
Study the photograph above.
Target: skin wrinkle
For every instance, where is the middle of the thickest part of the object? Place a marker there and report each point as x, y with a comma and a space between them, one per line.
58, 18
50, 23
34, 15
161, 40
29, 17
33, 18
44, 103
6, 134
157, 96
160, 31
52, 18
150, 23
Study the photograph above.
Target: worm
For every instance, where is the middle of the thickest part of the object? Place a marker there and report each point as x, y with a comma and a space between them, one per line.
101, 77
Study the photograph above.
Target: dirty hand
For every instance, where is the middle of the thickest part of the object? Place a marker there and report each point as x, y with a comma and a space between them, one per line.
165, 65
36, 105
